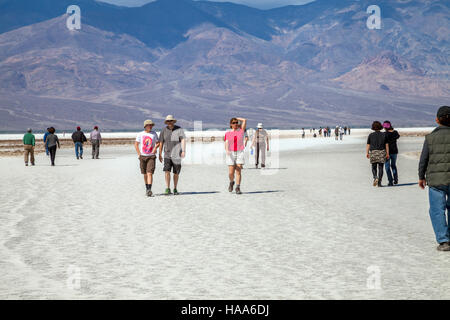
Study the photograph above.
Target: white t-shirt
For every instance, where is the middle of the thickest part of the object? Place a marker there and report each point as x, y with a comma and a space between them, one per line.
147, 142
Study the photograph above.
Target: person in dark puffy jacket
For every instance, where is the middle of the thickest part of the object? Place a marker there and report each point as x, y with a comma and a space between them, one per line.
434, 171
391, 164
78, 139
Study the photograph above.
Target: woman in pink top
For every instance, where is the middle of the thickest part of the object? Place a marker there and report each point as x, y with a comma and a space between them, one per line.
234, 146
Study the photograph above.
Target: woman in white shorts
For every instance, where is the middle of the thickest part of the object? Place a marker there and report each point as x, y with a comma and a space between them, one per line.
234, 147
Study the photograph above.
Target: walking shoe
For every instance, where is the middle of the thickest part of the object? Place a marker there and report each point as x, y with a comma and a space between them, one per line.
231, 186
238, 190
445, 246
26, 164
78, 158
390, 184
395, 182
256, 166
32, 164
263, 166
379, 185
175, 192
375, 182
81, 157
149, 193
167, 192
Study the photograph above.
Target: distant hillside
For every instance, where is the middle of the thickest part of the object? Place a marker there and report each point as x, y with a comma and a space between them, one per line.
314, 64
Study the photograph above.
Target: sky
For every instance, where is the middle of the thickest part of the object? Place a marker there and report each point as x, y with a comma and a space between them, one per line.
262, 4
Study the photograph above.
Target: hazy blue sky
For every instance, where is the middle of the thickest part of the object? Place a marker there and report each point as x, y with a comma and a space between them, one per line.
263, 4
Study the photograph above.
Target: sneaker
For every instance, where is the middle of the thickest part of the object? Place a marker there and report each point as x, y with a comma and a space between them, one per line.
167, 192
445, 246
231, 186
175, 192
149, 193
32, 164
78, 158
81, 157
395, 182
238, 190
390, 184
375, 182
263, 166
26, 164
379, 185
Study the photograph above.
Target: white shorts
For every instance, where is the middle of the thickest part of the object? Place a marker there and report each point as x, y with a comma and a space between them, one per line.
235, 157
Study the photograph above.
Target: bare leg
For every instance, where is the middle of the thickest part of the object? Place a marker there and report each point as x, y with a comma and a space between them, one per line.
231, 170
167, 179
175, 180
238, 174
149, 178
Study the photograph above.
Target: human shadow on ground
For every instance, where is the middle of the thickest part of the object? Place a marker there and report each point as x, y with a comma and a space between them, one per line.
406, 184
185, 194
265, 169
261, 192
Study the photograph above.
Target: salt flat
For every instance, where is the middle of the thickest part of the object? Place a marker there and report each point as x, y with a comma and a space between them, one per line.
310, 230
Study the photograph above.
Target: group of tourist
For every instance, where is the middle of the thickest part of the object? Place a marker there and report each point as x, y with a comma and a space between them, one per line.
51, 143
326, 132
381, 150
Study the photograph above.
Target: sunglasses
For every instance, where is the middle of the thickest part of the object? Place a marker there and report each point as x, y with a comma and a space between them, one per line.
235, 123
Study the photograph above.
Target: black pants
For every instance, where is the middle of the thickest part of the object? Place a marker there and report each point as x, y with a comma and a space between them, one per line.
52, 151
377, 171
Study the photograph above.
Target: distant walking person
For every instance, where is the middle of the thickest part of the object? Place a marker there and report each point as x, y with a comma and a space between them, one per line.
234, 147
336, 133
78, 139
45, 140
341, 133
29, 142
303, 133
434, 170
377, 151
52, 142
261, 143
96, 140
146, 145
173, 139
391, 164
349, 131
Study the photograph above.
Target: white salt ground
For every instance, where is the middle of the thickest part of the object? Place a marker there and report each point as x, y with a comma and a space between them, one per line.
313, 229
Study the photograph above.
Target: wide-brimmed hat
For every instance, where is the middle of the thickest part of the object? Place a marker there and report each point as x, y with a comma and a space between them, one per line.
170, 118
148, 122
260, 126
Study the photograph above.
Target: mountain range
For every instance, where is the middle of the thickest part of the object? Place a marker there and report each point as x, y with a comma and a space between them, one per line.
307, 65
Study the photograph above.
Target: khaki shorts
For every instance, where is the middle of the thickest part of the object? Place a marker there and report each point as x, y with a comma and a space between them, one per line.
147, 164
235, 158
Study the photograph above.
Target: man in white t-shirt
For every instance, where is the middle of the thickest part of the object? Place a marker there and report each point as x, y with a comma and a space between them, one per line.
146, 145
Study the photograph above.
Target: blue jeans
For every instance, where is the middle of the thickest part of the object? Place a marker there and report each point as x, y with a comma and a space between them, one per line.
439, 203
391, 164
78, 149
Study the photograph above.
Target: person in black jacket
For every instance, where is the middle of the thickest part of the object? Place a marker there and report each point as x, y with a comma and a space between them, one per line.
377, 151
391, 164
79, 138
